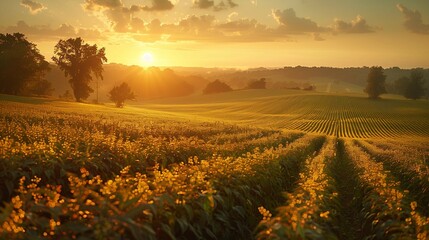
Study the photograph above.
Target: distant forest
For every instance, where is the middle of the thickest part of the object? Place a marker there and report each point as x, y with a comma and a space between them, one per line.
152, 83
146, 83
312, 75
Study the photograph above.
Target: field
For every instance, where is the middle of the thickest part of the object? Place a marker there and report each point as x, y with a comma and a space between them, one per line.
349, 116
277, 164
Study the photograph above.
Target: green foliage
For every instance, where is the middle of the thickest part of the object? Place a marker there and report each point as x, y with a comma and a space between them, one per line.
216, 87
41, 88
80, 61
22, 67
375, 83
414, 89
66, 95
330, 114
121, 93
400, 85
91, 172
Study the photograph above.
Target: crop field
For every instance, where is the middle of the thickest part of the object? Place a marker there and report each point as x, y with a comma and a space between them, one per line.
248, 165
352, 116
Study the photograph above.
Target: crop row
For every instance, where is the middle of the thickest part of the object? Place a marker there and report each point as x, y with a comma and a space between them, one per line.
326, 203
213, 198
50, 144
356, 118
407, 166
307, 212
389, 213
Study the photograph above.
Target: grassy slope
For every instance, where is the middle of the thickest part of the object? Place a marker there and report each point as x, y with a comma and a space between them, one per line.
351, 115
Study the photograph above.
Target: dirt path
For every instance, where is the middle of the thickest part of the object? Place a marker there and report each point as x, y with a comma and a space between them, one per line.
348, 195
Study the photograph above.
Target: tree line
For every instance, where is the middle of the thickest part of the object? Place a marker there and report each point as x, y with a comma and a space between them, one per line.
411, 87
23, 68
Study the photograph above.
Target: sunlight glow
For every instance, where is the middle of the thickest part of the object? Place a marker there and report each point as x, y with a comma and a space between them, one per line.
147, 59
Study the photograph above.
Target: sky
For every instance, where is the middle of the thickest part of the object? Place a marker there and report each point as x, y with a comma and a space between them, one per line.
232, 33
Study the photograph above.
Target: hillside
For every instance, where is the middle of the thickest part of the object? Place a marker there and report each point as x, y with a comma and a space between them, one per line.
153, 83
219, 165
147, 83
351, 115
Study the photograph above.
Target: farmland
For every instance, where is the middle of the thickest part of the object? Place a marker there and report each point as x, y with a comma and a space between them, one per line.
248, 164
350, 116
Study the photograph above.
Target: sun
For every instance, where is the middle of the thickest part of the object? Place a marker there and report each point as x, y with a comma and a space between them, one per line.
147, 59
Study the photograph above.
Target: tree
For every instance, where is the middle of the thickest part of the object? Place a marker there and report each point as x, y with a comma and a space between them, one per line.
376, 81
400, 85
80, 62
257, 84
414, 88
41, 88
120, 93
216, 87
21, 64
66, 96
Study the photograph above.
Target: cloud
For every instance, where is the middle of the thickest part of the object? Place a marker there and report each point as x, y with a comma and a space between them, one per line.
120, 17
203, 4
292, 24
358, 25
232, 4
317, 37
232, 15
243, 27
206, 28
33, 7
222, 5
44, 32
94, 5
413, 20
159, 5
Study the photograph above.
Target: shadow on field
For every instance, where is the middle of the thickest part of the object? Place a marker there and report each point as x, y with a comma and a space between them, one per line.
20, 99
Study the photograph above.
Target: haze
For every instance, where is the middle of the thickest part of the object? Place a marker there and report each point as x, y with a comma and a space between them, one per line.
233, 33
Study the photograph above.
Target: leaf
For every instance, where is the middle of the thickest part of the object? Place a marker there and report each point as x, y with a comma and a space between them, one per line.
76, 227
183, 224
240, 211
9, 186
129, 202
207, 205
189, 211
210, 233
167, 230
135, 211
148, 229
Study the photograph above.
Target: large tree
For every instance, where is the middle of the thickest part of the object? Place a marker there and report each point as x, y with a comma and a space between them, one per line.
80, 61
376, 82
21, 64
414, 88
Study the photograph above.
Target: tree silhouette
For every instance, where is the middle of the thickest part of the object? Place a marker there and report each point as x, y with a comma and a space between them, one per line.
81, 62
41, 88
216, 87
414, 87
376, 82
21, 64
257, 84
400, 85
121, 93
